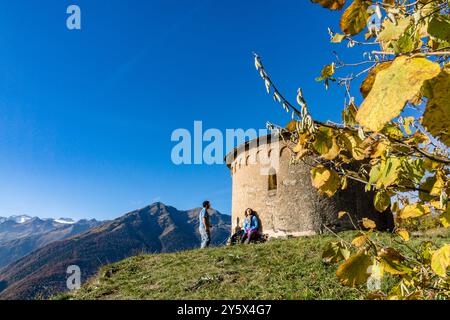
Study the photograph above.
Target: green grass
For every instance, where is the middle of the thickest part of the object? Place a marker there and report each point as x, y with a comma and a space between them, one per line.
280, 269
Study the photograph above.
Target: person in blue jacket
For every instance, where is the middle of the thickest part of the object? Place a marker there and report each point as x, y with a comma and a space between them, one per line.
251, 226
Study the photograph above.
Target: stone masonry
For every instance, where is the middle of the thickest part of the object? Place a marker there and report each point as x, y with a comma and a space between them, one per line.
282, 194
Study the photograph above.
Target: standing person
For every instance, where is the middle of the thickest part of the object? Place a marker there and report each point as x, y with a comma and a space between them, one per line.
205, 225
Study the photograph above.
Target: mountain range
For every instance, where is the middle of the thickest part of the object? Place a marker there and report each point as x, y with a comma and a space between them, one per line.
21, 235
157, 228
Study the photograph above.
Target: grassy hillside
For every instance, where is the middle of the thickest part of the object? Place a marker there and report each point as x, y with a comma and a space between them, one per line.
281, 269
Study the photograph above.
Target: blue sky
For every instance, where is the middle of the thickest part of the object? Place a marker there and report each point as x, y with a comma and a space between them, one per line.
86, 116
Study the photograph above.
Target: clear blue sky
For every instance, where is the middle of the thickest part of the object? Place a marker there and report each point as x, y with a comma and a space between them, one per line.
86, 116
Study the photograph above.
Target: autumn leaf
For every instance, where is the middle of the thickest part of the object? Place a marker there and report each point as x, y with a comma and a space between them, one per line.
359, 241
440, 261
349, 114
438, 185
323, 140
354, 19
367, 84
292, 126
353, 271
325, 180
393, 31
436, 118
335, 252
392, 88
439, 28
404, 234
353, 144
333, 152
414, 211
369, 224
382, 201
387, 174
342, 214
445, 217
392, 261
331, 4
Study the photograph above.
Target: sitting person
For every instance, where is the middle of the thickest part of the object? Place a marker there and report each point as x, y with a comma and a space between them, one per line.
251, 226
238, 231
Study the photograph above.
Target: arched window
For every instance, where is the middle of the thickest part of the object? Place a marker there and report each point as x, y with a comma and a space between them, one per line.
272, 183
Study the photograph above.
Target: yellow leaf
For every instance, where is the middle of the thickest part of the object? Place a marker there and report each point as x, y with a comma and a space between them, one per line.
407, 124
292, 126
333, 152
323, 140
445, 217
369, 224
414, 211
353, 144
335, 252
367, 84
392, 261
381, 201
354, 19
359, 241
438, 185
392, 31
440, 261
436, 118
388, 173
349, 114
325, 180
379, 149
342, 214
354, 271
403, 234
392, 88
344, 182
302, 139
331, 4
320, 176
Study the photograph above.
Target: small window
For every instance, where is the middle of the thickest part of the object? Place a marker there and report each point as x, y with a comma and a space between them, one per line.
272, 180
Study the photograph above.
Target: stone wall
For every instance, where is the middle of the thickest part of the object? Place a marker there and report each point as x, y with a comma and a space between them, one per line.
295, 207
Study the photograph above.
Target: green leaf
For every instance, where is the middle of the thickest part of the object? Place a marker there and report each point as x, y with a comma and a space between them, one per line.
393, 87
354, 19
408, 42
439, 28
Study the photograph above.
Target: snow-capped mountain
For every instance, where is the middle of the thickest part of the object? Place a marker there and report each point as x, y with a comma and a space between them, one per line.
20, 235
65, 221
19, 218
